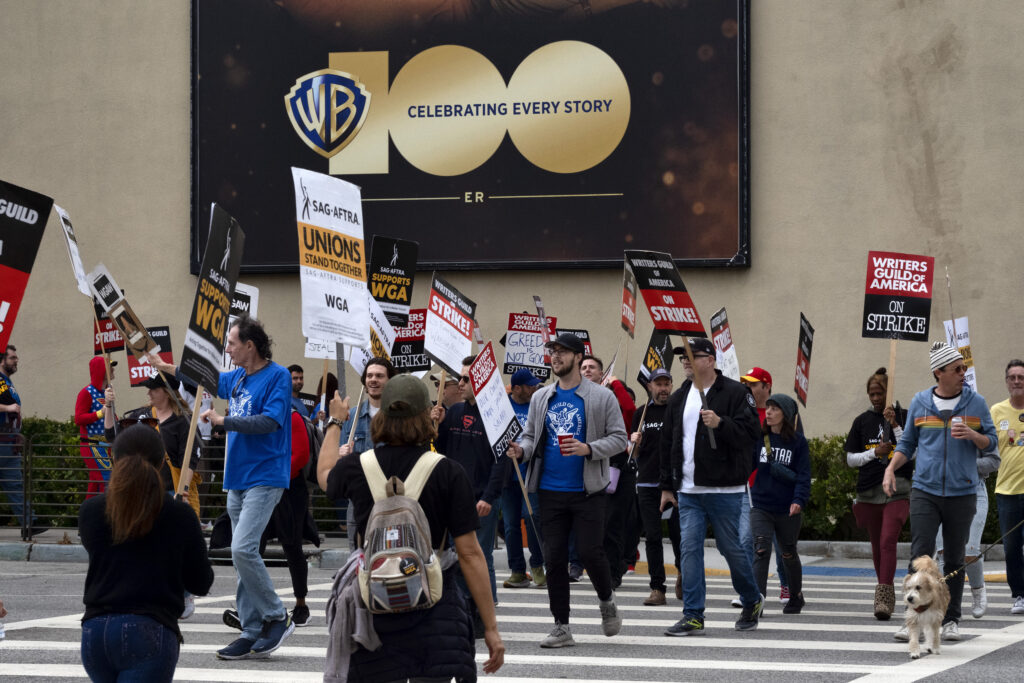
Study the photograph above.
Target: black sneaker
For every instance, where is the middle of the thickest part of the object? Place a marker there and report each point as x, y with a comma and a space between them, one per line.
300, 616
230, 618
240, 649
575, 573
694, 626
274, 633
750, 615
795, 604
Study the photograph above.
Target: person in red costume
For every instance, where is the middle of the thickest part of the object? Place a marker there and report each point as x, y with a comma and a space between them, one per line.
89, 418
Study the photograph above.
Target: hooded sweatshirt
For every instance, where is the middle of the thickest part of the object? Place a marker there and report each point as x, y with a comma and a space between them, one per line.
946, 466
88, 415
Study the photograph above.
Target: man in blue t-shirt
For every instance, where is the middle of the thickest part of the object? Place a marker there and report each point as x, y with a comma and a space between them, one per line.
573, 427
257, 470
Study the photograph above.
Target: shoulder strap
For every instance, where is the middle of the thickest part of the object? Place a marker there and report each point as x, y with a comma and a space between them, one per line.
375, 478
768, 449
421, 471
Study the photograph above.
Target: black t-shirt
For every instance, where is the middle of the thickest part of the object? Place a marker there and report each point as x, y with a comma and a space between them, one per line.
867, 432
447, 499
148, 575
647, 453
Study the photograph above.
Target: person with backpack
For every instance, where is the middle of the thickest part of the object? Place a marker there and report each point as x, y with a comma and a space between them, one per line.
430, 635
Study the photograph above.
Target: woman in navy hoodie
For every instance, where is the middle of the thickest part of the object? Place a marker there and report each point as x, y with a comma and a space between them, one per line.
779, 495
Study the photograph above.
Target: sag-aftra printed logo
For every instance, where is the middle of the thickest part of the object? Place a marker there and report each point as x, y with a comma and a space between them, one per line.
565, 108
327, 108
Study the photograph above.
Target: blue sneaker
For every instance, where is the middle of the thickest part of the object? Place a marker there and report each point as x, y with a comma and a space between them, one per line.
239, 649
274, 633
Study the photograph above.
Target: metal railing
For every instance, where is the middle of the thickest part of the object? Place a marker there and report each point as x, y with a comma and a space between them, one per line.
53, 478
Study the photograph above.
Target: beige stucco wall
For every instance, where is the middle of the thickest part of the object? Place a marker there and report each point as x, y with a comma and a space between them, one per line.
877, 124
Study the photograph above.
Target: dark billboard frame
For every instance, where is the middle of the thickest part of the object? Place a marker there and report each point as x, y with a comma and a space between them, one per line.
741, 257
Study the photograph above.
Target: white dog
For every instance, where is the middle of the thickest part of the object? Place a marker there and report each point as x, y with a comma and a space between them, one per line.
927, 597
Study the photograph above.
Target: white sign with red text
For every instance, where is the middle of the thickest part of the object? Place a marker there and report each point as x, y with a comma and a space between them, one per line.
448, 336
499, 419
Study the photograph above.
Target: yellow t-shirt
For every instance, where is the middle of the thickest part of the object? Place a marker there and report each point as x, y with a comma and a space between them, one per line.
1010, 430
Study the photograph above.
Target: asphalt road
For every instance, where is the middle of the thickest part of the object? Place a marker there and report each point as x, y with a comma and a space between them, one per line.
835, 639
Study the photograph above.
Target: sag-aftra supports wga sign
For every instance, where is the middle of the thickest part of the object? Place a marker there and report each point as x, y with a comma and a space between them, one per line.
565, 108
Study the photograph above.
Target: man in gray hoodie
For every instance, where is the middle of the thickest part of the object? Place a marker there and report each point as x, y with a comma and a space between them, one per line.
573, 427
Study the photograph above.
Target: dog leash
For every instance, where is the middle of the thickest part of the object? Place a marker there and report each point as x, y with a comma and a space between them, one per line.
950, 575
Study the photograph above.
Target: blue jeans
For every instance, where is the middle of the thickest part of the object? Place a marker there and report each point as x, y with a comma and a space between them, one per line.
723, 511
127, 648
485, 535
11, 475
1011, 512
747, 541
513, 511
255, 597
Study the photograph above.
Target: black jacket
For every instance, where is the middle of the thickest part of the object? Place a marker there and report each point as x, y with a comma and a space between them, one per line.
727, 465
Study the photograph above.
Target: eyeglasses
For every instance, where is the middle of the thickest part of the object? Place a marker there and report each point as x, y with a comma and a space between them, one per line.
560, 351
126, 422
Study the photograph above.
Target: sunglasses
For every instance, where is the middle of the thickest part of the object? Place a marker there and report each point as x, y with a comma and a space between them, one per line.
126, 422
464, 378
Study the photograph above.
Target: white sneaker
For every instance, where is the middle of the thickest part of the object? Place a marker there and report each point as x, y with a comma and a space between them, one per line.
950, 631
980, 606
190, 607
736, 602
560, 636
903, 635
1018, 605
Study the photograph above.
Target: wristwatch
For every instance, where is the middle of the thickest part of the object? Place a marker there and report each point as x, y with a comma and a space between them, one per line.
334, 421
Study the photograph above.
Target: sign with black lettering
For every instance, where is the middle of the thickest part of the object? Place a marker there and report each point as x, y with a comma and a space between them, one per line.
392, 270
725, 351
499, 419
202, 356
111, 298
582, 334
407, 354
23, 215
448, 333
332, 259
244, 301
663, 291
139, 369
658, 355
524, 344
803, 360
898, 296
72, 244
382, 338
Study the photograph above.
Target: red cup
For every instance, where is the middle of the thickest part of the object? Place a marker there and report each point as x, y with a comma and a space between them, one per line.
563, 442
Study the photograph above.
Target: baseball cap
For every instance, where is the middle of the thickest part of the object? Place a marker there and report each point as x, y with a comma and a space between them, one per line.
697, 345
567, 340
756, 374
659, 373
155, 382
404, 396
523, 377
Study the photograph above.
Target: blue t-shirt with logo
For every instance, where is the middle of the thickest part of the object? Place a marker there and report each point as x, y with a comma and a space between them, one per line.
258, 459
566, 415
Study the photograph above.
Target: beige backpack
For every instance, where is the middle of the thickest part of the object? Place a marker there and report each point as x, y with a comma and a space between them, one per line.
400, 571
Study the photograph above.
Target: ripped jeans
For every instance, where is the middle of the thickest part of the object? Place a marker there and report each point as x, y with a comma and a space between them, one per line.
786, 529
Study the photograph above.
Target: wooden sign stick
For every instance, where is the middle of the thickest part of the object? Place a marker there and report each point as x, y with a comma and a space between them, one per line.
352, 428
633, 446
891, 386
186, 471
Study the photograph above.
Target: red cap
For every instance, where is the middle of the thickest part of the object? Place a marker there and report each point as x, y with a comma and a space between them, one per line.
756, 374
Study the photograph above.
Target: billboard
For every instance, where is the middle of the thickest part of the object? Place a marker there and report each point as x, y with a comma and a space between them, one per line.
542, 134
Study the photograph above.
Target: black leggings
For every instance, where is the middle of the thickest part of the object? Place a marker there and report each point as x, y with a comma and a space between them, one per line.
763, 525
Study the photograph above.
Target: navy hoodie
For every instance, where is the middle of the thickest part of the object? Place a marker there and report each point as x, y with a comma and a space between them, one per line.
773, 494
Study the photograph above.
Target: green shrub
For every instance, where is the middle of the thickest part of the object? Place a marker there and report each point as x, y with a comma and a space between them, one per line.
829, 514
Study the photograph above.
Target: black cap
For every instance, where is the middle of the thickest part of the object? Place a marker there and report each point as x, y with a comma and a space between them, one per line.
567, 340
697, 345
155, 382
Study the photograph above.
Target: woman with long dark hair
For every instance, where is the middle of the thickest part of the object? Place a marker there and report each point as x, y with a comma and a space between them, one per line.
145, 550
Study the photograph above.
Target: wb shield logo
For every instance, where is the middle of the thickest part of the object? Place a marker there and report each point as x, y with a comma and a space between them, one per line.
327, 109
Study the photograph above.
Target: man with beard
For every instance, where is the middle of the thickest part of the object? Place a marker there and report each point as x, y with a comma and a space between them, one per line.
376, 374
646, 437
298, 377
10, 446
572, 429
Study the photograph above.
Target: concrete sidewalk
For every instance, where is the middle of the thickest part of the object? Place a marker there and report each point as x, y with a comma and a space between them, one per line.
827, 558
